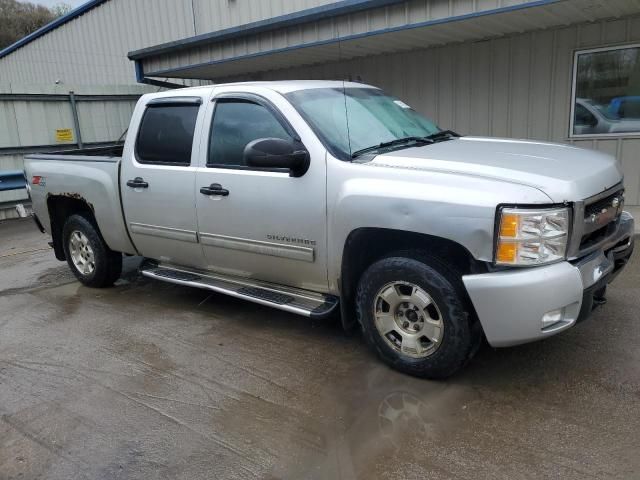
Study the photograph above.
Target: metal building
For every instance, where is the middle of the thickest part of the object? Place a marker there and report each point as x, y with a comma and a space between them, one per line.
559, 70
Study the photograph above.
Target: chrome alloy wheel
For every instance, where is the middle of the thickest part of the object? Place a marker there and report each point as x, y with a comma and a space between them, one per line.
408, 319
81, 253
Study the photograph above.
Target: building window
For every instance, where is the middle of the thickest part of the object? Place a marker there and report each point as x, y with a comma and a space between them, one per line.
606, 92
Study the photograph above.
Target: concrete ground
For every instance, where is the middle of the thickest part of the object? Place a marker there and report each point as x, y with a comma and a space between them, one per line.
149, 380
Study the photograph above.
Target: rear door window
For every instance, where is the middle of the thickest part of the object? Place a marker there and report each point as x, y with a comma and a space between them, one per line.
166, 134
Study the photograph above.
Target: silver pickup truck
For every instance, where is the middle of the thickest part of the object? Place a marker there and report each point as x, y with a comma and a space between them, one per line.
319, 198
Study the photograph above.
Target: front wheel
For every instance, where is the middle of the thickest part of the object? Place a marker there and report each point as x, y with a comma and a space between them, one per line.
414, 315
88, 256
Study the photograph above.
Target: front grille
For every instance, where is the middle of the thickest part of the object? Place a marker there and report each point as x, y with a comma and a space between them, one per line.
598, 206
590, 239
600, 219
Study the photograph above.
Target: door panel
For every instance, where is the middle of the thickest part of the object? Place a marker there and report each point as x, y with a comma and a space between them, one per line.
270, 226
158, 183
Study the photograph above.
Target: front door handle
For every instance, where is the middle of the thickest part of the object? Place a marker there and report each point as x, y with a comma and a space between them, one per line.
215, 189
137, 182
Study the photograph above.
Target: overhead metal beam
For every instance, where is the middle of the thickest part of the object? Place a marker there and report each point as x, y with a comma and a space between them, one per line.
48, 97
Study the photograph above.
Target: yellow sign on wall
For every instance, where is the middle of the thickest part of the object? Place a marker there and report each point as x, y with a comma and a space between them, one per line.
64, 135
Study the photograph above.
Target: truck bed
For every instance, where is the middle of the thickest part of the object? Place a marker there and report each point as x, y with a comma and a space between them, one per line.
89, 175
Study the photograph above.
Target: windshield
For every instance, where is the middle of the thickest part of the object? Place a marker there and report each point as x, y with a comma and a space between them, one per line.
373, 118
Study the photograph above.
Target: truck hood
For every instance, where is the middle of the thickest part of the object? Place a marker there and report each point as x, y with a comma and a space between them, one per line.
562, 172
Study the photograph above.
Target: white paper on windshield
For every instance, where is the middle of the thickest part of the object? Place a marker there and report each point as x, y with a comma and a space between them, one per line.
401, 104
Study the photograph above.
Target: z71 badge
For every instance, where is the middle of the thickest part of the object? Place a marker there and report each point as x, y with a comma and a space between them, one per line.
38, 180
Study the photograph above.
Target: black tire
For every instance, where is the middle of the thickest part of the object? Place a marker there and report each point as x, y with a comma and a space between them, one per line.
460, 336
107, 263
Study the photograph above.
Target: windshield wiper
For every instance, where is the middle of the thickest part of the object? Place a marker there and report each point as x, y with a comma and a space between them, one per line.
392, 143
443, 135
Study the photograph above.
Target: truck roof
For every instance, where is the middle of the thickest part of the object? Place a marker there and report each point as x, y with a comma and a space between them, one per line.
282, 86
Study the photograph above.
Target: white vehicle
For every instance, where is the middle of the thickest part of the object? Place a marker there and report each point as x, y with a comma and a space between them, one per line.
590, 118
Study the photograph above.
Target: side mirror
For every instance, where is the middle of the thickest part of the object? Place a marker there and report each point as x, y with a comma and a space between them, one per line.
277, 153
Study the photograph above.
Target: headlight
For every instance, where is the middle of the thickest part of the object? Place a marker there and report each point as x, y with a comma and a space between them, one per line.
531, 237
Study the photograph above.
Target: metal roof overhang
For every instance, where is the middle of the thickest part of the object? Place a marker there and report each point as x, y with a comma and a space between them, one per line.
177, 60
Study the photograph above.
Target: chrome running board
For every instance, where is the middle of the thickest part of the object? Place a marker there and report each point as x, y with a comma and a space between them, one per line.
293, 300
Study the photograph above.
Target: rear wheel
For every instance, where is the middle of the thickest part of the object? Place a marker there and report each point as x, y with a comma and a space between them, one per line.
414, 315
88, 256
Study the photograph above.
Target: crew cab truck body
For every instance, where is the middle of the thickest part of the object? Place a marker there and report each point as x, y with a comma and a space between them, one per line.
316, 197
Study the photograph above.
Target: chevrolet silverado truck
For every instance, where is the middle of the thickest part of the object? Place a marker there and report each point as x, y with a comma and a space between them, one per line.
322, 198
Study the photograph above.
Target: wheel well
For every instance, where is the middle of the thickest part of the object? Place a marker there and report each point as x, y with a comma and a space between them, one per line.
60, 208
365, 246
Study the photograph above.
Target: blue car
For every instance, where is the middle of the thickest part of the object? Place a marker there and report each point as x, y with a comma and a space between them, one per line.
625, 107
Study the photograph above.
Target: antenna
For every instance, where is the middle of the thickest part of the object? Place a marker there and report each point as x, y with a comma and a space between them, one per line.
344, 91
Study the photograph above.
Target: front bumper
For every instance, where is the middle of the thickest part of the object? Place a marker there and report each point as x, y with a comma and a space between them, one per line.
511, 305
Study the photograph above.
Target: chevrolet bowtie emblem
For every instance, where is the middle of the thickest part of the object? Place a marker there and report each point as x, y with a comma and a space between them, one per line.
616, 203
594, 217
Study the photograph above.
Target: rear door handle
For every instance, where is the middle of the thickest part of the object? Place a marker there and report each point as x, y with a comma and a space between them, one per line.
137, 182
215, 189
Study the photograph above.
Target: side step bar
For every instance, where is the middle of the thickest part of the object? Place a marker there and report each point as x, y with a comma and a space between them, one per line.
302, 302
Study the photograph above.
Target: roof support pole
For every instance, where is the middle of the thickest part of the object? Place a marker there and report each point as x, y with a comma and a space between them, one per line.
76, 119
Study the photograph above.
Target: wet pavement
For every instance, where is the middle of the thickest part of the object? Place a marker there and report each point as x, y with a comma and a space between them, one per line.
149, 380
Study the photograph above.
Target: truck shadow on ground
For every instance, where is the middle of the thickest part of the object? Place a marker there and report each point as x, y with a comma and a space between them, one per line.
144, 375
279, 396
371, 413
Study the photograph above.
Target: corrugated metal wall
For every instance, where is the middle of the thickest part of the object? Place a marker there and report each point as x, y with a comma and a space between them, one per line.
518, 86
211, 16
26, 123
92, 49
